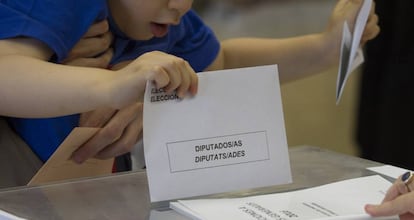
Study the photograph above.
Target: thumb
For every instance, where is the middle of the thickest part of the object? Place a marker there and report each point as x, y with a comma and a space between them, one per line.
349, 10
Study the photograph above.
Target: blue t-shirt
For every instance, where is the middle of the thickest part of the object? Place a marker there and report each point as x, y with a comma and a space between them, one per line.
58, 23
61, 23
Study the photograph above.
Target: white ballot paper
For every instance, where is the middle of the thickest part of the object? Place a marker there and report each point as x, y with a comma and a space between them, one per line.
7, 216
351, 55
341, 200
230, 136
389, 170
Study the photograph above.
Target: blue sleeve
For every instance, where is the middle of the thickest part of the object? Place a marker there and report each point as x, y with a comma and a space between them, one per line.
199, 46
57, 23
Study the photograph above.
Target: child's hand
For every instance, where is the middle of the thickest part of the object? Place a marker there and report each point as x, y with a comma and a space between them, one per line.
123, 128
181, 76
166, 71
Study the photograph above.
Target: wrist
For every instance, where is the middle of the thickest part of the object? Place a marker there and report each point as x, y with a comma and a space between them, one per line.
332, 44
106, 91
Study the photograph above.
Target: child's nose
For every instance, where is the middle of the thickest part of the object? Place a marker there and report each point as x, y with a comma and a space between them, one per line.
183, 6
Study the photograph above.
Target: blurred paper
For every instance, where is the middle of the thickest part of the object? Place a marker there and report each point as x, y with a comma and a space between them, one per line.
7, 216
60, 167
389, 170
230, 136
336, 201
351, 56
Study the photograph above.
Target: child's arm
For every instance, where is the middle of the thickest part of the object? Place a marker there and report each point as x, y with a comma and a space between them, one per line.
297, 56
31, 87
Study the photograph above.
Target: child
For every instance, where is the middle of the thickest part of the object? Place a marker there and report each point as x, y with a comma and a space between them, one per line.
170, 26
128, 88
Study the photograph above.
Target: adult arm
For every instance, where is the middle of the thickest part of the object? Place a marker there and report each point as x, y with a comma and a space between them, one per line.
297, 56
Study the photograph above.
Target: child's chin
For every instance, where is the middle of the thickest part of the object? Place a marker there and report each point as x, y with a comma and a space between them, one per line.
146, 37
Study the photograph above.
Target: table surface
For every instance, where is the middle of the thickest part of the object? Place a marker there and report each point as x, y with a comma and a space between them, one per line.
126, 196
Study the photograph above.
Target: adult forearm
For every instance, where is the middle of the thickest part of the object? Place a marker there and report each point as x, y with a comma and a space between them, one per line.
297, 57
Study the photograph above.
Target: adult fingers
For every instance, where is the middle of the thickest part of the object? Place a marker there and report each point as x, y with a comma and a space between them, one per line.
97, 28
347, 9
401, 205
372, 29
124, 144
132, 134
109, 134
96, 118
90, 47
397, 189
101, 61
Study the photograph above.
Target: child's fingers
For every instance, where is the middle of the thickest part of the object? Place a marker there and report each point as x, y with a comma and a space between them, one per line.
159, 76
186, 73
193, 87
185, 84
170, 72
174, 72
194, 84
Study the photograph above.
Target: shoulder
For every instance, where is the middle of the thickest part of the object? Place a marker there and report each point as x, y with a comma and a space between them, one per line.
193, 22
196, 43
57, 23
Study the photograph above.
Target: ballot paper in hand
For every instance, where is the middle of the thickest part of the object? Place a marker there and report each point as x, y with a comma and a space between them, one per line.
341, 200
351, 55
60, 167
230, 136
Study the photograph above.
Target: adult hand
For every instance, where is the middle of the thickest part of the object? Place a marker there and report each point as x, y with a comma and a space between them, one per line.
121, 129
372, 28
93, 50
347, 10
398, 200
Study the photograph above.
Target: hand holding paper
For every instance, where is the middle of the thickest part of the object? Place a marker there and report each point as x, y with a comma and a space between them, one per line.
230, 136
336, 201
59, 166
350, 55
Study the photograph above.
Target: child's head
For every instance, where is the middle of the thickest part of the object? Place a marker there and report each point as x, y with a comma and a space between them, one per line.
144, 19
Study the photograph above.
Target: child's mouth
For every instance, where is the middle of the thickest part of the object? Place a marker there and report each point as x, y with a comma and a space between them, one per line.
159, 30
